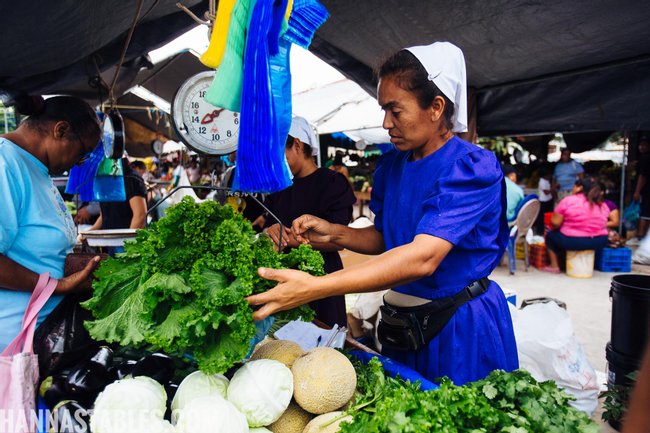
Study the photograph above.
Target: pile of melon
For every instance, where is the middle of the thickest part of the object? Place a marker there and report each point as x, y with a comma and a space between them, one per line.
324, 381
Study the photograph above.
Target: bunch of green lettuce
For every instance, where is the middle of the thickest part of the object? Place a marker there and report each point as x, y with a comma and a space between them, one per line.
503, 402
181, 286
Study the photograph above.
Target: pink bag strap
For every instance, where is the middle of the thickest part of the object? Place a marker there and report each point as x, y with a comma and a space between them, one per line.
41, 294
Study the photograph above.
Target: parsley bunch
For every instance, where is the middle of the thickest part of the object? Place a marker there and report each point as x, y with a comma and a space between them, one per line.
503, 402
181, 286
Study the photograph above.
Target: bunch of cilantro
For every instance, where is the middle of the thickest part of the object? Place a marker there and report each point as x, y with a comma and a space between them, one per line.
181, 286
503, 402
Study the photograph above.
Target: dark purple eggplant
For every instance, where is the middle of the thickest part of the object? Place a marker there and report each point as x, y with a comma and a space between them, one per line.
53, 390
90, 377
70, 417
157, 366
170, 389
123, 369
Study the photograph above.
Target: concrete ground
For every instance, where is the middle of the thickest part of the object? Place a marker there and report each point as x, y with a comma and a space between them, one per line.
587, 302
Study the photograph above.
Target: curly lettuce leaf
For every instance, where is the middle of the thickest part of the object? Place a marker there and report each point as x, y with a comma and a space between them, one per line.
181, 285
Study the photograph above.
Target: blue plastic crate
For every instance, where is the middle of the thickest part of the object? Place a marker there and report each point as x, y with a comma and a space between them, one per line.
614, 260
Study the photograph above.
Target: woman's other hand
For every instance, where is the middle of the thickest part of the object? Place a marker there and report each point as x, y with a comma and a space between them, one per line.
75, 282
293, 290
308, 229
287, 237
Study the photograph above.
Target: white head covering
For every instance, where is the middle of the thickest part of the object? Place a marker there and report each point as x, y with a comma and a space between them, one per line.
445, 64
303, 131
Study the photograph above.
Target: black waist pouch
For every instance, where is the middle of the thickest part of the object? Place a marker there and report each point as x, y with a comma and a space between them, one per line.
411, 328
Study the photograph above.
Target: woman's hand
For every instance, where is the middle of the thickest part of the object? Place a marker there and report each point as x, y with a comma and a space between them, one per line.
287, 237
308, 229
295, 288
72, 283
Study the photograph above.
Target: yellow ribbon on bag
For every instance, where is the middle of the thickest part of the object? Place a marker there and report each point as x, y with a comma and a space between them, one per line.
287, 15
213, 55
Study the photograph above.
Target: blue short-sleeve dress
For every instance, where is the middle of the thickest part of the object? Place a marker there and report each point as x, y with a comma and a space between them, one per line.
457, 194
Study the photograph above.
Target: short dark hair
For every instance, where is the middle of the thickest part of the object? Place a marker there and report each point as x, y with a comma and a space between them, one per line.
81, 117
138, 164
411, 75
509, 169
306, 147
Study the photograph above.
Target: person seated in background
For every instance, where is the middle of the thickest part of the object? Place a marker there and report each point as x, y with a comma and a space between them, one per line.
566, 173
546, 196
579, 222
514, 193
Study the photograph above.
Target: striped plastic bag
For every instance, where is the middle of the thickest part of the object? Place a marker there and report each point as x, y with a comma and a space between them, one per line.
19, 367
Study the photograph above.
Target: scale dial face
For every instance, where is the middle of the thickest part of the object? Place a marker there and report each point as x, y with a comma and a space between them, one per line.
203, 127
113, 134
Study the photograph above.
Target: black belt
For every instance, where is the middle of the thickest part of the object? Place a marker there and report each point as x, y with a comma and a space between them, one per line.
411, 328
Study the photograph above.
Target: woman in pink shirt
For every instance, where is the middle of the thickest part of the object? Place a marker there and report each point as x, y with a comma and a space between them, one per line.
580, 222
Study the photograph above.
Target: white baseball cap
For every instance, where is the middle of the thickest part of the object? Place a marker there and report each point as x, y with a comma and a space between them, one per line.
303, 131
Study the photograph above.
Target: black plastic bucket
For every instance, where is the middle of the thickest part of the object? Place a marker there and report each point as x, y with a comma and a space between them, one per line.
630, 314
619, 366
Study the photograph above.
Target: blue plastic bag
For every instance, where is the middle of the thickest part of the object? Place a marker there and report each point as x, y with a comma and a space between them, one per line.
631, 215
394, 368
108, 184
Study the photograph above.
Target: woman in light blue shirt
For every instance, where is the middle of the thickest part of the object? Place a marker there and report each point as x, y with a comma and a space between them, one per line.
36, 230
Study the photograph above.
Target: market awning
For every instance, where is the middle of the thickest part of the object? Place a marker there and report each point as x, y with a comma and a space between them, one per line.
536, 67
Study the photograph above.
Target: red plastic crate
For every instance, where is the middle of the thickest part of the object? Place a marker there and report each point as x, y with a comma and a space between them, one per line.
537, 255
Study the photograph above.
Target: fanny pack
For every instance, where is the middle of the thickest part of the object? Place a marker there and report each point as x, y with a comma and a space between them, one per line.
411, 328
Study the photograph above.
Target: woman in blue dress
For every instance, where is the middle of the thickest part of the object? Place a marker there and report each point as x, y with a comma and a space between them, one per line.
440, 229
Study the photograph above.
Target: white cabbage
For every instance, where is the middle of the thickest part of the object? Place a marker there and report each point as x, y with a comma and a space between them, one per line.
259, 430
262, 391
211, 414
198, 384
126, 403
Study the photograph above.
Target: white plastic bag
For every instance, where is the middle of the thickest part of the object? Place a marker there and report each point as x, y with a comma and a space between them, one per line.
642, 254
549, 350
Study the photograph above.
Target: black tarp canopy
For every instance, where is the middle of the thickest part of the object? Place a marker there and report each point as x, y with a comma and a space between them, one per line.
535, 66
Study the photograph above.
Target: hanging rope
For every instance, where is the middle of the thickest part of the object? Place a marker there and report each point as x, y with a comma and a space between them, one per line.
111, 94
210, 15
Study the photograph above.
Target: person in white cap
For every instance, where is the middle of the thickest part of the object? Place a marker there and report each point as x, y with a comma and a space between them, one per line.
440, 229
316, 191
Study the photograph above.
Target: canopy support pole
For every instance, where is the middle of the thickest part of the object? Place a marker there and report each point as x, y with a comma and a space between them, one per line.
626, 140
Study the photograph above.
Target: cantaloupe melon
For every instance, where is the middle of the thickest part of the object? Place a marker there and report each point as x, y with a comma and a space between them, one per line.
324, 380
321, 424
293, 420
285, 351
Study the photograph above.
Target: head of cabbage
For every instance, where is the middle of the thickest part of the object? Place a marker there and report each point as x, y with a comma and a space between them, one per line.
197, 384
127, 403
261, 390
211, 414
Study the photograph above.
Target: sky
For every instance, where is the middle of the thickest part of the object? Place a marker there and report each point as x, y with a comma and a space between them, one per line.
307, 70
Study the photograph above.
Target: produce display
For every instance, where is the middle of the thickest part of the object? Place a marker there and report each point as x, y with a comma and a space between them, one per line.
181, 286
180, 289
260, 396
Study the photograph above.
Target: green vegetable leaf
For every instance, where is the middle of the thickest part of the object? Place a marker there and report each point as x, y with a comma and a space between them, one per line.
181, 285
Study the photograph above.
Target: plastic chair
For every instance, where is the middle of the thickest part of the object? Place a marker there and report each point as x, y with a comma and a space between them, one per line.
524, 221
